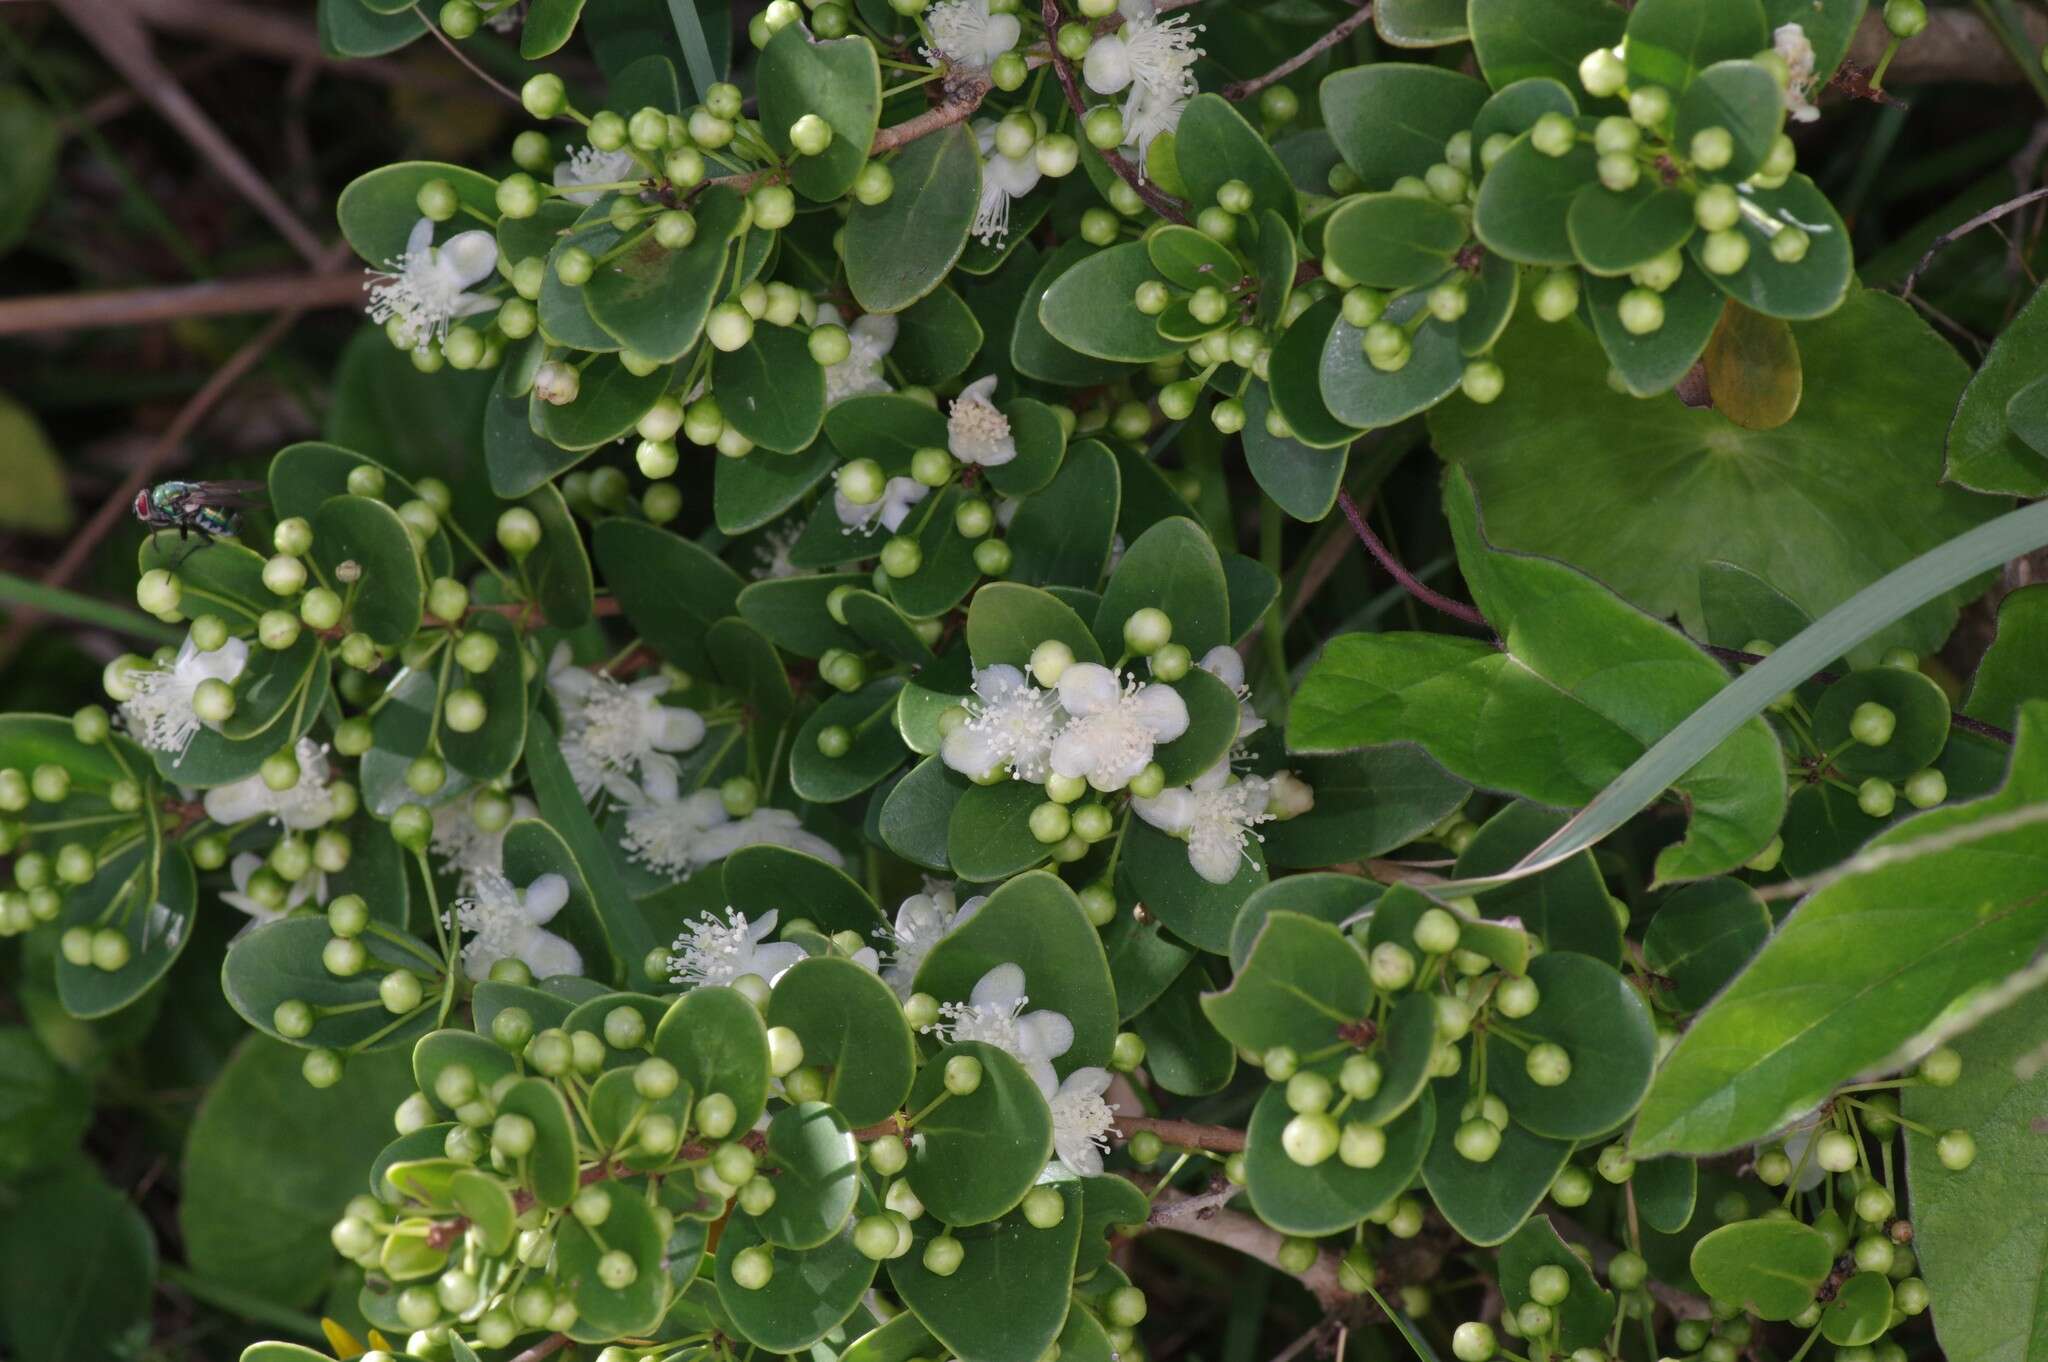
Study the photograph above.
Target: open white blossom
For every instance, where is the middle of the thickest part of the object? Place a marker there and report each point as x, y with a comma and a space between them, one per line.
966, 36
612, 732
872, 336
1003, 178
975, 431
1215, 815
1790, 42
240, 899
588, 165
1147, 114
922, 920
676, 834
1150, 53
1115, 725
1082, 1122
1225, 664
771, 555
427, 287
306, 805
892, 508
994, 1015
159, 714
713, 952
465, 850
508, 923
1010, 724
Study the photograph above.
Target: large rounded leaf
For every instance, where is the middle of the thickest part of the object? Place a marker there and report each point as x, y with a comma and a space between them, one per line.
717, 1041
1820, 507
812, 1157
629, 1227
1771, 1266
1331, 1196
1008, 1300
852, 1027
1604, 1026
977, 1155
1486, 1202
811, 1292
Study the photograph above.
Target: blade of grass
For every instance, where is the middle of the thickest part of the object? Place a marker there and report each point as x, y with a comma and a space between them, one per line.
55, 600
1892, 596
696, 49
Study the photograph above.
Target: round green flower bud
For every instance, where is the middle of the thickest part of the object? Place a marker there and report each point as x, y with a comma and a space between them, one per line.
1534, 1319
321, 1068
992, 557
1477, 1140
343, 956
1549, 1284
754, 1267
943, 1255
1547, 1064
1956, 1150
1941, 1067
1641, 311
1483, 381
962, 1075
1905, 18
1310, 1138
1473, 1341
1098, 901
1361, 1146
1308, 1091
1391, 966
1553, 134
1712, 148
1572, 1187
1044, 1207
1872, 724
399, 990
874, 1236
874, 185
1876, 797
1614, 1164
1724, 252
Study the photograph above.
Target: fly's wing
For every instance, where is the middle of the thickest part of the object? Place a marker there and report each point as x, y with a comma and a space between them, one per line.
229, 494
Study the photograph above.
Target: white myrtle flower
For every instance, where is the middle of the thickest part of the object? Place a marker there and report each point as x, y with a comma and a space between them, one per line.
1115, 725
240, 899
769, 827
967, 37
1150, 53
711, 952
1225, 664
159, 714
1147, 114
1288, 795
612, 731
872, 336
1790, 42
1082, 1122
771, 555
676, 834
922, 920
1003, 178
1011, 723
588, 165
306, 805
892, 508
509, 923
1136, 9
427, 287
1215, 815
465, 850
994, 1015
975, 431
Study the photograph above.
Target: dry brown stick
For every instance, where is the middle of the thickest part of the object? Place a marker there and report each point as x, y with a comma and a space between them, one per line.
547, 1347
125, 44
1344, 28
958, 106
172, 302
1253, 1238
455, 51
1167, 206
1184, 1134
160, 453
1985, 218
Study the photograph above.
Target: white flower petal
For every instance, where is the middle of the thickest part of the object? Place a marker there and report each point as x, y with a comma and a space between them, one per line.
545, 897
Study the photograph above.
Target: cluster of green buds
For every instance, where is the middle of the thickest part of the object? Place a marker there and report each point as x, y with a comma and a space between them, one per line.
47, 805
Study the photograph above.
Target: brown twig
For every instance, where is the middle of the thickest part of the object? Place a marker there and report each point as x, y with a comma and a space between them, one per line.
455, 51
1167, 206
1983, 219
959, 105
1344, 28
1184, 1134
1395, 569
1253, 1238
125, 44
174, 302
547, 1347
159, 454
